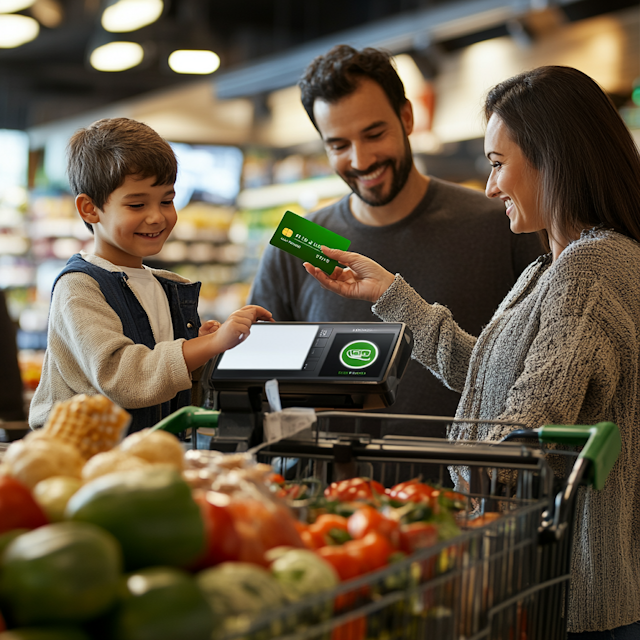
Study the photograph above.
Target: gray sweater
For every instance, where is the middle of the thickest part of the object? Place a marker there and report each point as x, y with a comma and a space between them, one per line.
562, 348
455, 248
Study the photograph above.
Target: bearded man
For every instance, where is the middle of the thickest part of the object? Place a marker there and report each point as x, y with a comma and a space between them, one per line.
451, 243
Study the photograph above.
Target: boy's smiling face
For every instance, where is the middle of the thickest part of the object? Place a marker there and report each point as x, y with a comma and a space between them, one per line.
134, 223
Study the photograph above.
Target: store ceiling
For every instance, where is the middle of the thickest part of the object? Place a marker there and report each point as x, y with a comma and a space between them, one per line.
50, 78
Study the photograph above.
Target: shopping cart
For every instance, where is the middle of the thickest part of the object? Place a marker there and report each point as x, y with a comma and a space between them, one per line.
507, 579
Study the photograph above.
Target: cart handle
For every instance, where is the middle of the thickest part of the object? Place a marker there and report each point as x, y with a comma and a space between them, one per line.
601, 441
186, 418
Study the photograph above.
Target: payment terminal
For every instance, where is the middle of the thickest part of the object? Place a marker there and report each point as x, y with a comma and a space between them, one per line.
355, 365
320, 365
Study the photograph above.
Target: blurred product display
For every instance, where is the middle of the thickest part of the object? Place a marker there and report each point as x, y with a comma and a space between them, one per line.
246, 159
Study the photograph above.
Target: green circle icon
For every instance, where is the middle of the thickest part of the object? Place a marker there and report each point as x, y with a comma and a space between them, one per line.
359, 354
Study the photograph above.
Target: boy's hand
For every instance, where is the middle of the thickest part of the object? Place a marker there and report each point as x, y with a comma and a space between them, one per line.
238, 326
213, 340
210, 326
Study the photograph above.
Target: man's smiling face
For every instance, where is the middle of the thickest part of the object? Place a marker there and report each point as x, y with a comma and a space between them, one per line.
366, 142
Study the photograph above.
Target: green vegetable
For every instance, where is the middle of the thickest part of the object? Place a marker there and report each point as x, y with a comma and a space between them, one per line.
60, 573
161, 603
8, 537
238, 592
45, 633
415, 512
302, 572
447, 526
150, 511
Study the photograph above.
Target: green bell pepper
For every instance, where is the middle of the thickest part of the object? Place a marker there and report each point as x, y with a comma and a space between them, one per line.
59, 574
161, 603
150, 511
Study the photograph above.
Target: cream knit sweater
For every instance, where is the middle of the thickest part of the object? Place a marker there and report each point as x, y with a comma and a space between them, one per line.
562, 348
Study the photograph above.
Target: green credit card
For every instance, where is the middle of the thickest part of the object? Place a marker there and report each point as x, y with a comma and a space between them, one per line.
302, 238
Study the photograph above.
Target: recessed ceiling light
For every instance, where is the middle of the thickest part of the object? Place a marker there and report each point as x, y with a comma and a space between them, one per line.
194, 61
116, 56
16, 30
48, 13
10, 6
129, 15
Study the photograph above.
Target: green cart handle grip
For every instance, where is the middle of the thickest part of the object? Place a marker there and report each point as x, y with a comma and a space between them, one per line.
188, 417
601, 442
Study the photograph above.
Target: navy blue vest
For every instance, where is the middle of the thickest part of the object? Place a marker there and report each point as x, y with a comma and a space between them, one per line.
183, 304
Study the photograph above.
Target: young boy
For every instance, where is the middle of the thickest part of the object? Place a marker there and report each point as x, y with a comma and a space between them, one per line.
117, 327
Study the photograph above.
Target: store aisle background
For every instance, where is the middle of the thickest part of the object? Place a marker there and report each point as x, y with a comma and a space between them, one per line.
247, 150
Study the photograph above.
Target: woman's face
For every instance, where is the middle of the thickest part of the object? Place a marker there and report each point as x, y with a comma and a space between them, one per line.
512, 179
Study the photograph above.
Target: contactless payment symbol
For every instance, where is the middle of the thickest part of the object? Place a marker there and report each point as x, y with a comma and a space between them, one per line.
359, 354
287, 232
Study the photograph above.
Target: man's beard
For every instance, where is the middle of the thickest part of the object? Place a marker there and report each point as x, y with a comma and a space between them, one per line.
400, 176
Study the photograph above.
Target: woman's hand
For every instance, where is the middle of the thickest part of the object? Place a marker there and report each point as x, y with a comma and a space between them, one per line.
363, 279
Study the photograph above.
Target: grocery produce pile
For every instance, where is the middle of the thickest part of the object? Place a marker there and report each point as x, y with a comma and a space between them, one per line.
133, 539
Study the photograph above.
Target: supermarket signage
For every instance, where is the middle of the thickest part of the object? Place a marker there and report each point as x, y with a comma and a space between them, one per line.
359, 354
302, 238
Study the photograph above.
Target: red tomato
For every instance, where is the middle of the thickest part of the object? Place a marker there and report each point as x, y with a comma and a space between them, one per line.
354, 489
300, 526
18, 509
326, 525
352, 630
275, 478
346, 564
367, 519
223, 542
455, 496
371, 552
417, 535
262, 527
412, 491
291, 492
311, 541
480, 521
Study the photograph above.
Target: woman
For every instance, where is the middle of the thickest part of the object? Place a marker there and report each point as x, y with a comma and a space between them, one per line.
564, 345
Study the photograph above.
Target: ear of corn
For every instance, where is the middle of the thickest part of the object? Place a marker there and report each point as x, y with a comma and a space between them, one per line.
91, 423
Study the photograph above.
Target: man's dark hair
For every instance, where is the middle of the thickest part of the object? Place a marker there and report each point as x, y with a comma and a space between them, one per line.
102, 155
338, 72
570, 131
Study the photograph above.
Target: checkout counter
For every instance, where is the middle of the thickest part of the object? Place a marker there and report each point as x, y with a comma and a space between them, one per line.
343, 366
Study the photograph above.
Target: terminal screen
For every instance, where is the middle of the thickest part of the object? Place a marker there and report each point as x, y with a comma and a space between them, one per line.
337, 351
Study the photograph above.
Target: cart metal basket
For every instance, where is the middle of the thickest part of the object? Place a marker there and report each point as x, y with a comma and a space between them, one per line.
507, 579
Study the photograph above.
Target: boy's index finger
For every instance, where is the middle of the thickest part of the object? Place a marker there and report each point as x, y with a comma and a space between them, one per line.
305, 239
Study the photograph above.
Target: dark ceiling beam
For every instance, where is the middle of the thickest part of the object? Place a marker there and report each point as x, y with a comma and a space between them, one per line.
397, 34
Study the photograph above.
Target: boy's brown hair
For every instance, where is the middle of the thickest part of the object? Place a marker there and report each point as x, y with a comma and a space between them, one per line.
102, 155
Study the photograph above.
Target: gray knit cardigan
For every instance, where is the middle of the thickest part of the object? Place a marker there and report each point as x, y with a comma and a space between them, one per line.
562, 348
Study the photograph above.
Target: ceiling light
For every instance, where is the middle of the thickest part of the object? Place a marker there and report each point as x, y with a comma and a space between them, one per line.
194, 61
11, 6
16, 30
129, 15
116, 56
48, 13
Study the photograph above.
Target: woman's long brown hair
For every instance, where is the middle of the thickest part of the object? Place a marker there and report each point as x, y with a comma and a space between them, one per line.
570, 131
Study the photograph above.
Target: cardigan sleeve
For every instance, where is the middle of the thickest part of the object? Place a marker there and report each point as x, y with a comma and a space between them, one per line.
573, 363
573, 369
86, 344
439, 343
